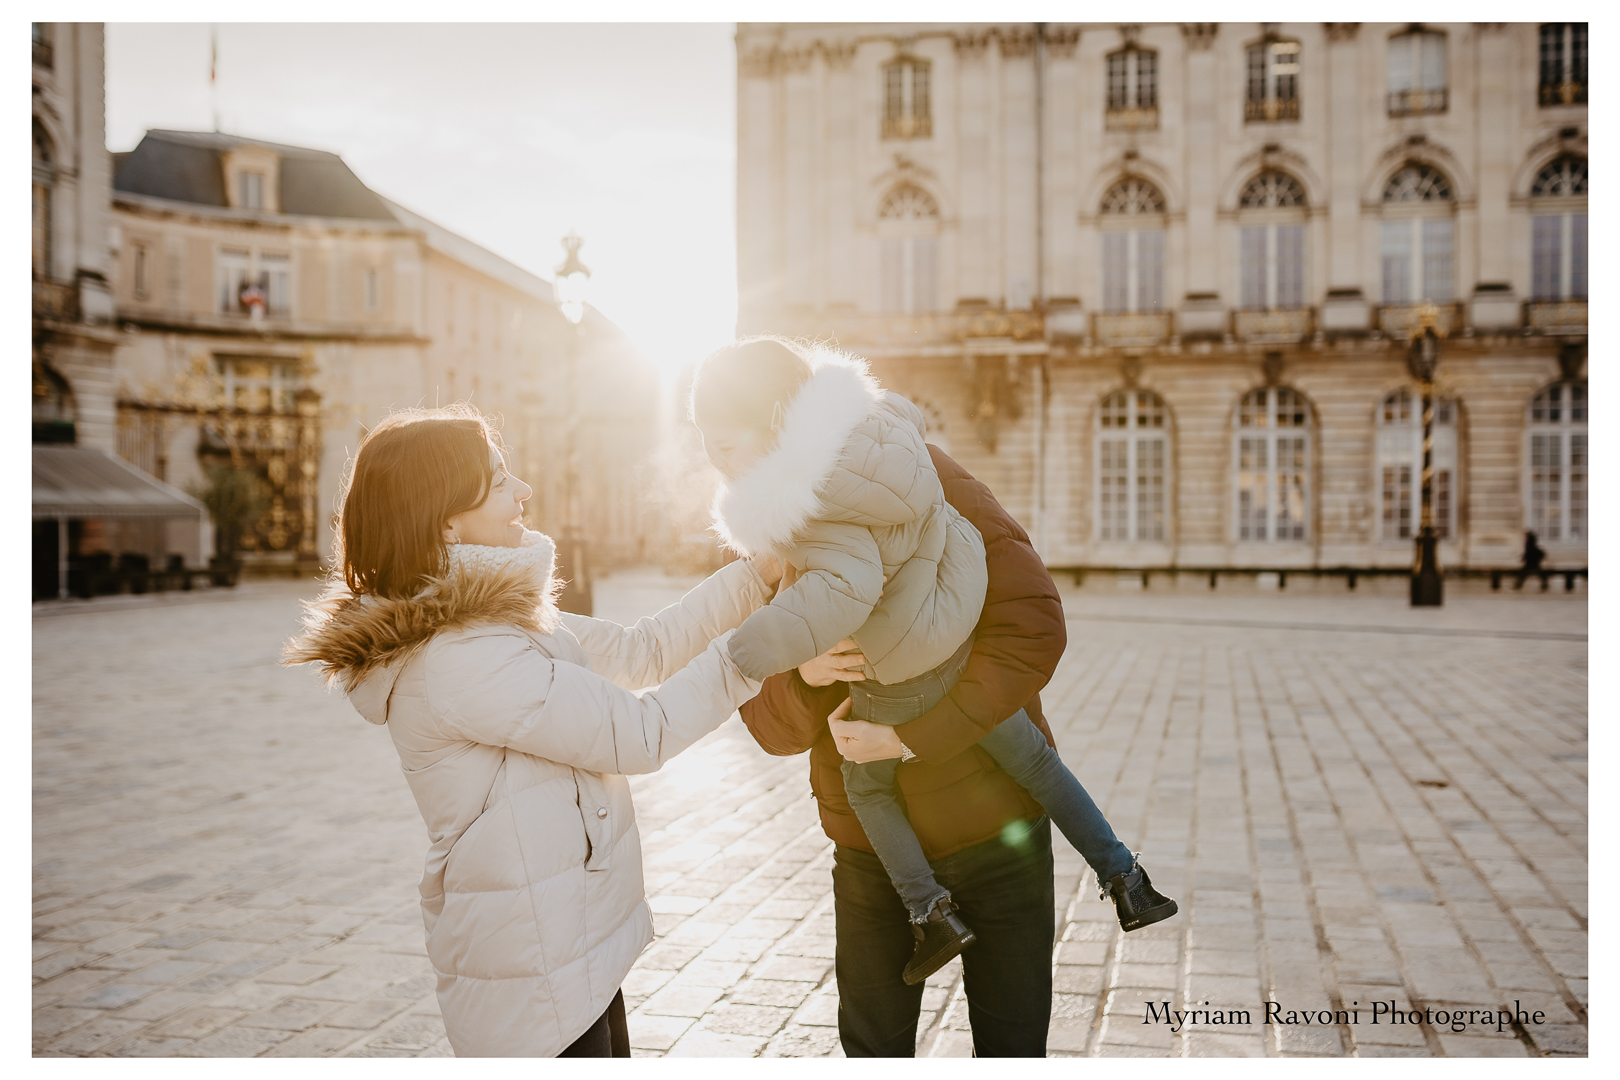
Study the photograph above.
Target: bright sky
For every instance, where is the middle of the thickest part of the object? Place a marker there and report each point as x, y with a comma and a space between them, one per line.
510, 135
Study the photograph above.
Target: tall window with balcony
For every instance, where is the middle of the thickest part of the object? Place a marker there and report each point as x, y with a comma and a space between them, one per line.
1556, 455
43, 54
1563, 64
1417, 73
1133, 89
1271, 241
1131, 228
1133, 467
253, 283
1558, 231
1272, 91
1271, 454
1416, 245
906, 113
908, 251
1400, 466
44, 180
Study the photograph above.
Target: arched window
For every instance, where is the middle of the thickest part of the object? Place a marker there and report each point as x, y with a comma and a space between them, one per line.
906, 112
1272, 91
1132, 228
1557, 458
1558, 231
1272, 242
1400, 465
1271, 450
44, 179
908, 226
1417, 73
1133, 466
1417, 242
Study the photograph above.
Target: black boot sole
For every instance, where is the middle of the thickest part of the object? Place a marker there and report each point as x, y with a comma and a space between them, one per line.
942, 959
1150, 916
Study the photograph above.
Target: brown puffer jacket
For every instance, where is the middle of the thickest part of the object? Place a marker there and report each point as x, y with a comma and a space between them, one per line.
955, 794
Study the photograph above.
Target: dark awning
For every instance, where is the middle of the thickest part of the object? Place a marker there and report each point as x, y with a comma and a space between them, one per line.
78, 482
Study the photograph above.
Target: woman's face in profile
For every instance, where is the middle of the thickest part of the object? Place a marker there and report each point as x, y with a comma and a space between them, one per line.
496, 523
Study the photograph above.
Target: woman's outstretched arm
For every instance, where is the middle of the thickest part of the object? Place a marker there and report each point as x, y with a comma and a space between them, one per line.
659, 645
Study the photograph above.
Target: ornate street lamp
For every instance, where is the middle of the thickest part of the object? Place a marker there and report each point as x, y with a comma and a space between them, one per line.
1422, 357
572, 278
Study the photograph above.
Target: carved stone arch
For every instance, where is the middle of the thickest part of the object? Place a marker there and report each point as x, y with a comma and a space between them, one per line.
1404, 153
903, 176
46, 118
1105, 177
1541, 155
907, 201
1312, 418
1266, 160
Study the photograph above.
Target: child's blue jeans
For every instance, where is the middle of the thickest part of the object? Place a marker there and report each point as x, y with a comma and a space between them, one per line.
1016, 745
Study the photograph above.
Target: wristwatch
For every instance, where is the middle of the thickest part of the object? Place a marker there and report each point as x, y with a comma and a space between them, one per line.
906, 753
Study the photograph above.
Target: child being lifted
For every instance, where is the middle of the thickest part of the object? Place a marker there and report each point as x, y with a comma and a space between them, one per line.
826, 469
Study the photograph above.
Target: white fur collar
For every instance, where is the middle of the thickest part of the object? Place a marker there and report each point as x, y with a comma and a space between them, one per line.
765, 507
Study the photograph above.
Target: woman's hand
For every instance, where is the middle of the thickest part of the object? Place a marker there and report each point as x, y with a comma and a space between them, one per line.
860, 741
841, 663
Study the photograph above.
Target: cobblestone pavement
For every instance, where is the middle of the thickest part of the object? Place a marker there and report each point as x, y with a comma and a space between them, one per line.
1354, 802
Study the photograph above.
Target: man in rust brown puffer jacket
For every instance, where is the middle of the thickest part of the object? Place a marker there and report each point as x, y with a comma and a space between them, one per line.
988, 842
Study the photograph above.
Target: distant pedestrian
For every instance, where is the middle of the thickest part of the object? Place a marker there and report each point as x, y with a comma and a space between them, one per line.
513, 739
1530, 562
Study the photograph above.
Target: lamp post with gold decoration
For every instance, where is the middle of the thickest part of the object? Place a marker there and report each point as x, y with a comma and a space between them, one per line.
1422, 357
572, 277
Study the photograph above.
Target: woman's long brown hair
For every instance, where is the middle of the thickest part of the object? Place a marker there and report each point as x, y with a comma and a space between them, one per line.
413, 472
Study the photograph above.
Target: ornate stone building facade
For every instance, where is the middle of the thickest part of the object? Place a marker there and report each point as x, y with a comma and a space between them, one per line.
272, 307
72, 177
1154, 283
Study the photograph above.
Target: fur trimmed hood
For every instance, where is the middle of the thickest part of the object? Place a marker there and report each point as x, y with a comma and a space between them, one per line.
352, 638
764, 509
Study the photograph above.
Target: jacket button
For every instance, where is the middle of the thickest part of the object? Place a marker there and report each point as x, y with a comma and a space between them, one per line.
602, 812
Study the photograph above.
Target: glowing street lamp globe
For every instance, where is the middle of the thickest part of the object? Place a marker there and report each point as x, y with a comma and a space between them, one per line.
572, 277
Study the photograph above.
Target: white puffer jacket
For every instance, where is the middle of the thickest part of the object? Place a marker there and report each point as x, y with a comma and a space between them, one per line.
514, 726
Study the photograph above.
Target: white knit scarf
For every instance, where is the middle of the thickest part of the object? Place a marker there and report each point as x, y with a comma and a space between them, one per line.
537, 551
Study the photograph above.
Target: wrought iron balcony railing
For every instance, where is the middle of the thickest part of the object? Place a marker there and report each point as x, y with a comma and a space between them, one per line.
56, 300
1403, 320
1132, 119
1563, 93
854, 330
1556, 316
1138, 328
1275, 325
908, 127
1416, 102
1267, 109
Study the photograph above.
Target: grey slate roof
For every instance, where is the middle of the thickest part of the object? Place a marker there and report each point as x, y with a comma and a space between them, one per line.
185, 166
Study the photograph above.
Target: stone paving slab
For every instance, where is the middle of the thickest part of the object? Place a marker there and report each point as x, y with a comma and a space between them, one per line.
1358, 805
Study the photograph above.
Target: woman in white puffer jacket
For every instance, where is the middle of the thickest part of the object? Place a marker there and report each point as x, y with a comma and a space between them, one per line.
514, 725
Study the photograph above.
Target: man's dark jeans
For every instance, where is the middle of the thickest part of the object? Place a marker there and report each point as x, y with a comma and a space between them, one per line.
1004, 890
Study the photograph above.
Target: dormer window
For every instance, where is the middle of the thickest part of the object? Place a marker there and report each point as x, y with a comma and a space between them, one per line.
250, 190
906, 112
